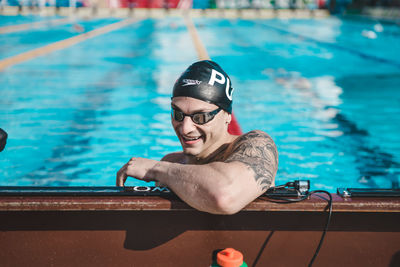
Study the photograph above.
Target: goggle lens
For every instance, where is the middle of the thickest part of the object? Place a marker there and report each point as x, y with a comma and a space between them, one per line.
198, 118
178, 115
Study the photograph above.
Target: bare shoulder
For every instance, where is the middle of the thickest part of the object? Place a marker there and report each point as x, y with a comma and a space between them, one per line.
258, 152
176, 157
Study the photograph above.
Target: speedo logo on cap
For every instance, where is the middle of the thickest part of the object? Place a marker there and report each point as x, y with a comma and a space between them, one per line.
187, 82
218, 77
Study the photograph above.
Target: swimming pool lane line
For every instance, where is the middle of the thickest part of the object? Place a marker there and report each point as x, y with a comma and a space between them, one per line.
234, 127
37, 24
198, 44
8, 62
336, 46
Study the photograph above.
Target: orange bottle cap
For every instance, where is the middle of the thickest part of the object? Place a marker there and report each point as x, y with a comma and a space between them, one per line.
230, 257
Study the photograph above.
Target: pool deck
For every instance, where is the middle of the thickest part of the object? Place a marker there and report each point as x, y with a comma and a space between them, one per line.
164, 231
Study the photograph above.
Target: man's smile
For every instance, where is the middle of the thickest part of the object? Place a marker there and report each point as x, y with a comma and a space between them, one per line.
190, 140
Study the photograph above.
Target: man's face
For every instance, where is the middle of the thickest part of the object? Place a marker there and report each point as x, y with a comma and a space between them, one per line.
199, 140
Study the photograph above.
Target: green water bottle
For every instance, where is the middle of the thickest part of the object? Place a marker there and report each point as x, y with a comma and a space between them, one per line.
229, 257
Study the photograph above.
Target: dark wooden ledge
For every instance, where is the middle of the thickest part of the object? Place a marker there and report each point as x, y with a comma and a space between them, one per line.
171, 203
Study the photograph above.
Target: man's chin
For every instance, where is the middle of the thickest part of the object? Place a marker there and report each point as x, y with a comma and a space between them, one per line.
191, 151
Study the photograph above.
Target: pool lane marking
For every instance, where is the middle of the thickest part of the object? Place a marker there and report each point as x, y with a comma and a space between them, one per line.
62, 44
336, 46
202, 54
26, 26
200, 48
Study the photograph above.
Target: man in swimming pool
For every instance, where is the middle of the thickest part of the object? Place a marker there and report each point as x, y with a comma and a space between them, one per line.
216, 172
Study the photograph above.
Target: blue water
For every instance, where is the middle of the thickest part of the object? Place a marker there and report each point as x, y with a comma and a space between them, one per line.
23, 41
18, 20
326, 90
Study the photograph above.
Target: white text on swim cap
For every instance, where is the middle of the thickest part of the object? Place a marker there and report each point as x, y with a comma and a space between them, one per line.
190, 82
221, 80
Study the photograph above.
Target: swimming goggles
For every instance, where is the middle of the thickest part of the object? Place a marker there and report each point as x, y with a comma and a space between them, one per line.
198, 118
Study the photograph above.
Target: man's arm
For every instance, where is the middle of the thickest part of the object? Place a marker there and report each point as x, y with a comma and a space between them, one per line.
258, 152
217, 187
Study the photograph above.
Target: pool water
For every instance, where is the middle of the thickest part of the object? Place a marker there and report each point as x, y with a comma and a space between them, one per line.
326, 90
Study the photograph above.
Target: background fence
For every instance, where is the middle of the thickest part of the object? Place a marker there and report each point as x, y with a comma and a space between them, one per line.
196, 4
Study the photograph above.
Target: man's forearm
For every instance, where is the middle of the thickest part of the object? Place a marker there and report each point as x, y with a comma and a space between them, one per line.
217, 187
191, 183
204, 187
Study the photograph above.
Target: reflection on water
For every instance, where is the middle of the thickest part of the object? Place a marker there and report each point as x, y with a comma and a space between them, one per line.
65, 164
371, 161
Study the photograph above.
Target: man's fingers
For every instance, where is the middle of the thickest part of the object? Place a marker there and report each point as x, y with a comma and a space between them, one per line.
131, 161
121, 176
130, 169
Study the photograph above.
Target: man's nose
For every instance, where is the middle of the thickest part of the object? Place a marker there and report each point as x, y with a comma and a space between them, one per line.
187, 125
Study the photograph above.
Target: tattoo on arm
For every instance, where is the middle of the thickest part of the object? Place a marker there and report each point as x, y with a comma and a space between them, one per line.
257, 150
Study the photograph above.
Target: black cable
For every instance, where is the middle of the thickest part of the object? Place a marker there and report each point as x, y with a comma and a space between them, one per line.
327, 223
283, 200
271, 194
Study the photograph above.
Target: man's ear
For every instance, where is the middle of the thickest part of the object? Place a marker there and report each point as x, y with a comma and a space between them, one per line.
229, 118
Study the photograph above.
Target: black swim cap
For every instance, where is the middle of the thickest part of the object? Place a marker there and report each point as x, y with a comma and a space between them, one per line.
205, 80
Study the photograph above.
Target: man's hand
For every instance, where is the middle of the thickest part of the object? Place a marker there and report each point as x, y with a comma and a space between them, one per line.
137, 168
